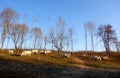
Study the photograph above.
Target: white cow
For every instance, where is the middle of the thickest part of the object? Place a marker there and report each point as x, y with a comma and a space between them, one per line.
10, 51
41, 51
26, 53
44, 51
35, 51
105, 58
97, 58
65, 55
47, 51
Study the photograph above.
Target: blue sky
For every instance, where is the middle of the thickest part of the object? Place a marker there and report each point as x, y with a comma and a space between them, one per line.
74, 12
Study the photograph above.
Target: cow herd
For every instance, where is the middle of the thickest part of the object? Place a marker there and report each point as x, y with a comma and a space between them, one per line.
100, 58
63, 55
26, 53
30, 52
97, 58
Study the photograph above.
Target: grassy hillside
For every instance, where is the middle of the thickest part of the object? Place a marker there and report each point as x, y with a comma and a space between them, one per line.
53, 66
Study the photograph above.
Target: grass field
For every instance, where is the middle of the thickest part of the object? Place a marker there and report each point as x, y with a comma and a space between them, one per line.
53, 66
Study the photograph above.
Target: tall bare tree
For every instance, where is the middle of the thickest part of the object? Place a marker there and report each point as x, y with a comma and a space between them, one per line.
25, 18
68, 42
8, 16
85, 29
52, 36
91, 27
61, 32
36, 33
116, 43
57, 34
107, 35
18, 32
45, 41
71, 38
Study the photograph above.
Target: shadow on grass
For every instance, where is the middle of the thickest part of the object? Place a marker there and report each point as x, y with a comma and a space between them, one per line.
15, 54
17, 69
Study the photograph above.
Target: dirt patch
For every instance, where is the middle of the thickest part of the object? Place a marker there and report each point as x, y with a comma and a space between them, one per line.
80, 63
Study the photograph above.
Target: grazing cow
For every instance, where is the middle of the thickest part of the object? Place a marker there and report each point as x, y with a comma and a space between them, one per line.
35, 51
65, 55
41, 51
96, 58
10, 51
105, 58
44, 51
26, 53
47, 51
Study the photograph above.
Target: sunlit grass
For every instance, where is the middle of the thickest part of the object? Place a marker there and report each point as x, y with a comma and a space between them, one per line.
55, 59
41, 59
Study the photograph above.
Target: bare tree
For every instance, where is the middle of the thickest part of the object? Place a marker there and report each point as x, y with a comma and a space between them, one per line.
52, 38
116, 43
45, 42
90, 26
85, 28
36, 33
68, 42
8, 16
18, 32
71, 38
57, 35
61, 32
107, 35
25, 17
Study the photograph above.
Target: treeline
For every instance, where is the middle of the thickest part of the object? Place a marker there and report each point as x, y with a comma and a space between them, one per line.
106, 35
59, 37
21, 35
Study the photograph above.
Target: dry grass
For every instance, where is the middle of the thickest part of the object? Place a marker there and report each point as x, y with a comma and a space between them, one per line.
112, 63
53, 66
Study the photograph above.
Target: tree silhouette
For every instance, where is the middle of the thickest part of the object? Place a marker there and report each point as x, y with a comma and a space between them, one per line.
107, 35
7, 17
18, 32
57, 35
